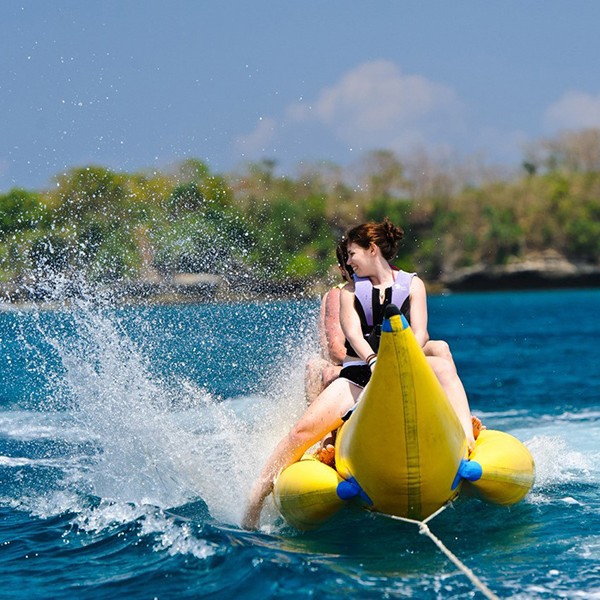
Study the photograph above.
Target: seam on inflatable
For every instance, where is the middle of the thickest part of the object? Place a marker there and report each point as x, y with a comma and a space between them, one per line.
413, 465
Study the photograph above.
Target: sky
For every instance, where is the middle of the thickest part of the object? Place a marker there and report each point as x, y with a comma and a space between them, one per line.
140, 85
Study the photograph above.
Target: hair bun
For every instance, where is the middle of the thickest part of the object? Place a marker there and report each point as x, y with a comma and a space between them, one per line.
392, 232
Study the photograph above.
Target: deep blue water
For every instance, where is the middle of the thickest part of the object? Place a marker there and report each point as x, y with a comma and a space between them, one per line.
110, 418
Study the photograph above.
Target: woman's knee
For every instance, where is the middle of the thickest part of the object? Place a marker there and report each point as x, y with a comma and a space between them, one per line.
439, 348
329, 373
301, 433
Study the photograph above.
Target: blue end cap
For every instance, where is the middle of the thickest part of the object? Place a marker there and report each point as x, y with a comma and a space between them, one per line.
469, 470
346, 490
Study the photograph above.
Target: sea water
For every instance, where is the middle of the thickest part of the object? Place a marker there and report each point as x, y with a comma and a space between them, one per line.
130, 437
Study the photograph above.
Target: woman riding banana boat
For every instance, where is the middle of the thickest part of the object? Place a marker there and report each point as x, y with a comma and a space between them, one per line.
410, 442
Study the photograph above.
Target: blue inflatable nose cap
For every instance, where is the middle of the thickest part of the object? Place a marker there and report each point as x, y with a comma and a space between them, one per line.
350, 488
391, 310
469, 470
346, 490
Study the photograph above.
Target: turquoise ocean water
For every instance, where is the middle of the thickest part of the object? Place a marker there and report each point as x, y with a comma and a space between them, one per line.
130, 437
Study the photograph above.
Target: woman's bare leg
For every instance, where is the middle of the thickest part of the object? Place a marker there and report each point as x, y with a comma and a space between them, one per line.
322, 416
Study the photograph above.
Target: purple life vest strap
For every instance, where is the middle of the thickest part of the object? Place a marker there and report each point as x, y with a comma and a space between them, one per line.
363, 292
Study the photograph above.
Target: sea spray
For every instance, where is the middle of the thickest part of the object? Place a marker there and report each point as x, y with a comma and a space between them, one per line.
149, 432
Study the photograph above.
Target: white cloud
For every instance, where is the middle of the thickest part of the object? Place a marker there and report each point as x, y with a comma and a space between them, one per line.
574, 110
374, 105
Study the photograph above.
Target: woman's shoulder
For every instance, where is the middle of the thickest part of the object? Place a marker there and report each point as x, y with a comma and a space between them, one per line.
348, 289
404, 278
416, 283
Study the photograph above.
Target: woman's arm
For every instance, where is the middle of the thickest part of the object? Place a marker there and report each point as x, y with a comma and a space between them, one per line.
334, 336
418, 310
321, 326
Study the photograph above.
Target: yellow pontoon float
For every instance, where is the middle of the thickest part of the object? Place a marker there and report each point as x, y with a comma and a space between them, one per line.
403, 451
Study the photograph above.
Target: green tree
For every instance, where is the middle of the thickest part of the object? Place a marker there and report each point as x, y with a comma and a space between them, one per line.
21, 210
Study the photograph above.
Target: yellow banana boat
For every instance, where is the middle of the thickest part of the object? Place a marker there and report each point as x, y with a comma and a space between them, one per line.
403, 451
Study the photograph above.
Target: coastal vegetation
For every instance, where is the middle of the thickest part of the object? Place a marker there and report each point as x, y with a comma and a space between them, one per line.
256, 225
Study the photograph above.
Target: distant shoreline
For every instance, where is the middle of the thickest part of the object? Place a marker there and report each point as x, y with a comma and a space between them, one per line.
195, 288
545, 271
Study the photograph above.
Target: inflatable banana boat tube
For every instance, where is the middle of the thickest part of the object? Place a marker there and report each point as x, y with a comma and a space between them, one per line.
403, 451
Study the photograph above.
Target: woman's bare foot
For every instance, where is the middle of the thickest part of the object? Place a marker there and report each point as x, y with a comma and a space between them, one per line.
326, 454
478, 427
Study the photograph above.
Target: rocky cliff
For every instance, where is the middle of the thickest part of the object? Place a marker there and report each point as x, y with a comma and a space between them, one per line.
547, 270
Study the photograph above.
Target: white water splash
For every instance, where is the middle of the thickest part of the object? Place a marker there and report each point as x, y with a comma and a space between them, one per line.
161, 440
556, 462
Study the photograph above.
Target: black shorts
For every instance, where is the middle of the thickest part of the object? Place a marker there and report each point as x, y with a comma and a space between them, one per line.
357, 374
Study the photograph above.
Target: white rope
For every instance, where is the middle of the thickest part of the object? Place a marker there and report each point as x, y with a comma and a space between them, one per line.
424, 530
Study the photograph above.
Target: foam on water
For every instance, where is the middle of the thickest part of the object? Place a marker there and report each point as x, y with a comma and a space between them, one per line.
176, 538
48, 425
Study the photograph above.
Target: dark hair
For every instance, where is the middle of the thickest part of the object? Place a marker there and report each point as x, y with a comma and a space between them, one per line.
385, 235
341, 252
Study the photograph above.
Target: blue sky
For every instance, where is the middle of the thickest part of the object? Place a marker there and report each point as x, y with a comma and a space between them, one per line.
141, 84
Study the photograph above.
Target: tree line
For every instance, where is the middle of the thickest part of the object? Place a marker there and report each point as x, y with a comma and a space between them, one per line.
258, 225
